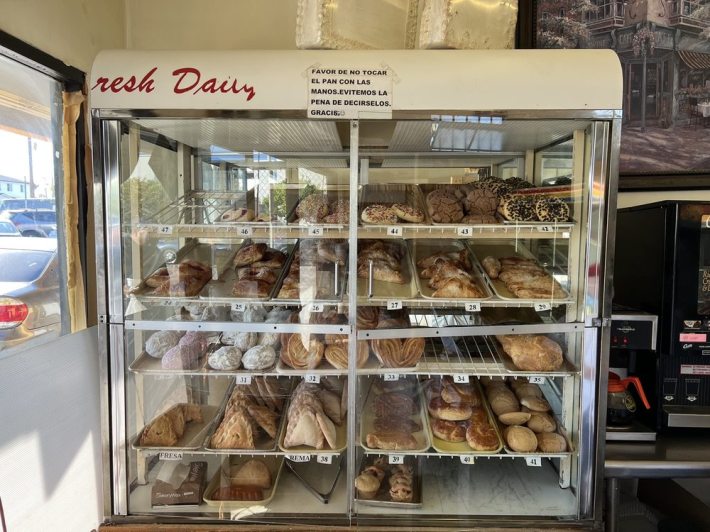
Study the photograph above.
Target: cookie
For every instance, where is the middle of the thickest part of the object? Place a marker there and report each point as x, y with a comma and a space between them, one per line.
517, 183
495, 185
444, 207
313, 208
408, 213
378, 214
552, 210
481, 201
518, 209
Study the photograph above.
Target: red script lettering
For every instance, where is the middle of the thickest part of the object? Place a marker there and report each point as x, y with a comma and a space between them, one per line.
118, 84
190, 80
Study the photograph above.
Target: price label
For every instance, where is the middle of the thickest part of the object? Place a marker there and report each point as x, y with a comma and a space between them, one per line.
536, 380
325, 458
394, 305
243, 379
473, 306
394, 230
165, 229
541, 307
460, 378
565, 234
312, 378
245, 231
317, 307
170, 455
239, 307
315, 231
468, 460
215, 272
391, 377
545, 228
395, 459
533, 461
299, 457
464, 231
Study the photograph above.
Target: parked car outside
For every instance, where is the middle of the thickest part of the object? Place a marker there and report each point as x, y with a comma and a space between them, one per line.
36, 222
29, 292
7, 228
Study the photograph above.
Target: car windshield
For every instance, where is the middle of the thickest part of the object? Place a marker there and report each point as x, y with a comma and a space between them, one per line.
22, 266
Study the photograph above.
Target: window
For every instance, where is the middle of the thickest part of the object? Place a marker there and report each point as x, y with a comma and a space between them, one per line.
32, 293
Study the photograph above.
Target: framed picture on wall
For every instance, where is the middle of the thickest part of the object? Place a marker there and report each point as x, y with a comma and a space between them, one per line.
664, 49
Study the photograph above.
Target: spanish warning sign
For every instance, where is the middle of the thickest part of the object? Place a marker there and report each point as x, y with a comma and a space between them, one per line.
349, 93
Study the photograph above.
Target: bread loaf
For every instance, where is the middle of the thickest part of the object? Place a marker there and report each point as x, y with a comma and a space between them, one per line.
520, 439
531, 352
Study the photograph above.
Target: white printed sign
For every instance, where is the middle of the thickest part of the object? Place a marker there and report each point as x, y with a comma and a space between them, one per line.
349, 92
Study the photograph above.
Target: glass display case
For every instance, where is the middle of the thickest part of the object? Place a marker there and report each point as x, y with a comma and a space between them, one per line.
390, 319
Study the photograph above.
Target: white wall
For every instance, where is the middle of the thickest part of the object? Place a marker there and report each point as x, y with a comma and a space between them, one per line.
70, 30
210, 24
50, 439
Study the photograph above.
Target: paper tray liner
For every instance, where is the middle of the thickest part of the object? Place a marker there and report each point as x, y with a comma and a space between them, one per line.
191, 439
420, 249
499, 251
275, 465
367, 420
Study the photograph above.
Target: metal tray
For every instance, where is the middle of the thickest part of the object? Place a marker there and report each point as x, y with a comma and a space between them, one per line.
221, 290
420, 249
275, 465
371, 288
149, 365
510, 250
218, 256
463, 448
319, 479
382, 498
367, 419
191, 439
325, 289
388, 195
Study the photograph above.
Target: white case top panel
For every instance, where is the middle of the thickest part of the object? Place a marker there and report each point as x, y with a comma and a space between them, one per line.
423, 80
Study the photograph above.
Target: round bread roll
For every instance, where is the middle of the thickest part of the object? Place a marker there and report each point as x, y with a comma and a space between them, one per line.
259, 357
489, 382
367, 485
226, 358
367, 317
526, 389
440, 409
551, 442
448, 430
482, 437
541, 422
535, 404
514, 418
502, 401
520, 439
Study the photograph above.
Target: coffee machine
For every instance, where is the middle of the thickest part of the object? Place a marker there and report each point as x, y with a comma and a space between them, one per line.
662, 266
632, 356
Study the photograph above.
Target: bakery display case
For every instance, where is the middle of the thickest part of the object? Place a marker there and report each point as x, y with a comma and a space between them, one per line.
385, 318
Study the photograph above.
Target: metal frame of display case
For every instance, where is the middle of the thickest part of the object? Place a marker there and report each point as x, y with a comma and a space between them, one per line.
602, 151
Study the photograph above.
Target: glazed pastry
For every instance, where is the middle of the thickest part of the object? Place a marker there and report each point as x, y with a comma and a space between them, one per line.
251, 288
517, 209
253, 272
367, 317
236, 431
492, 267
249, 254
367, 485
395, 353
237, 215
272, 258
532, 352
482, 437
440, 409
299, 356
379, 214
448, 430
313, 208
551, 210
253, 473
